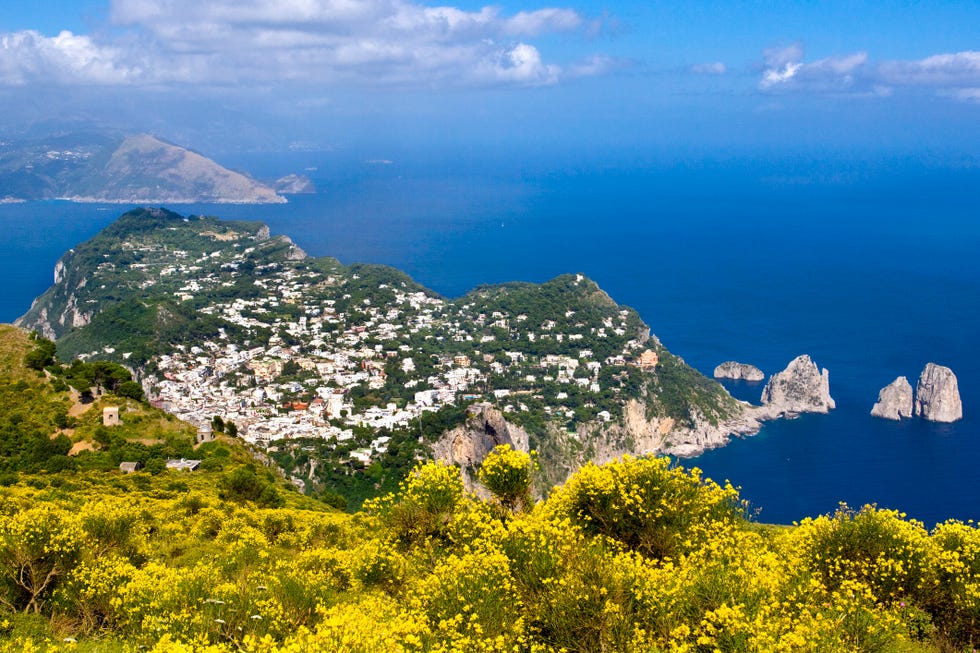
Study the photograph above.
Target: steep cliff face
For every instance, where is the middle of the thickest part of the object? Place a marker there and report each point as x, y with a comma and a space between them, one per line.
800, 388
894, 400
738, 372
937, 395
561, 452
485, 428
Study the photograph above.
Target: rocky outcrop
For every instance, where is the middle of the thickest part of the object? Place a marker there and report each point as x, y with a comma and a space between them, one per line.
484, 429
738, 372
937, 395
894, 400
59, 272
295, 252
703, 434
800, 388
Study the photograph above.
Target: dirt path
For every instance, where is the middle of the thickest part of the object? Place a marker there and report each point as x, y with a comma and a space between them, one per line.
77, 408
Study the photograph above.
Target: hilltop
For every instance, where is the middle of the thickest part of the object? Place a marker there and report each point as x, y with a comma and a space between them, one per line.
135, 169
361, 365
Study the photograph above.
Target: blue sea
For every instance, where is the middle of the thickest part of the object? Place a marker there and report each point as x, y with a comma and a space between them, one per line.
870, 266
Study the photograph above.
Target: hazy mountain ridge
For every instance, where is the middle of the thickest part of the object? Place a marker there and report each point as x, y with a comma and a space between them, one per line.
140, 169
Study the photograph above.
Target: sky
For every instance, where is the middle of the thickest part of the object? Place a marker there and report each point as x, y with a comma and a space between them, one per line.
705, 78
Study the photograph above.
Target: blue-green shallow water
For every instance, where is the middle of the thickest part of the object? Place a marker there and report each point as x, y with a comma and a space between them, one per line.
869, 269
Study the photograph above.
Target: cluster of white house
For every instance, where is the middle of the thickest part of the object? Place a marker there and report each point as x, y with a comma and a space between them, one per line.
243, 383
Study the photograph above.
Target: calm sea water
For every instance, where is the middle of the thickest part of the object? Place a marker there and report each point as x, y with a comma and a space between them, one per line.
870, 269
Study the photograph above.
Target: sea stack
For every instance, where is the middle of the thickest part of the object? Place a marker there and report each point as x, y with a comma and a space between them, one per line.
800, 388
894, 400
738, 372
937, 396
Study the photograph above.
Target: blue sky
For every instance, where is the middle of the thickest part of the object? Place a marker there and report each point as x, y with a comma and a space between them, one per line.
708, 77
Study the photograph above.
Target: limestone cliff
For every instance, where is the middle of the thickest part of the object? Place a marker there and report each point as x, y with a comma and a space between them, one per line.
738, 372
485, 428
561, 452
894, 400
800, 388
937, 395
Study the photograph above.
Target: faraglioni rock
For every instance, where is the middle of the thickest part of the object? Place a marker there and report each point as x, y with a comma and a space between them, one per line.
738, 372
894, 400
800, 388
937, 395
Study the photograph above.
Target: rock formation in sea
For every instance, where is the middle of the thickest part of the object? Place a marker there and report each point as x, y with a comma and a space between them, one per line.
738, 372
937, 395
800, 388
894, 400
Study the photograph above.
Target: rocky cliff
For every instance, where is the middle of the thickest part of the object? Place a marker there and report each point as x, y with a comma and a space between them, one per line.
800, 388
484, 429
738, 372
894, 400
562, 452
937, 395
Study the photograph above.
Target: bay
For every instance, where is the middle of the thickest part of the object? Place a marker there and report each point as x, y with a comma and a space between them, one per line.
869, 267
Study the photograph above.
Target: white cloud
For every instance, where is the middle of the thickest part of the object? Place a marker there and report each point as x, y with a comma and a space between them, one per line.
522, 64
64, 58
533, 23
774, 76
785, 69
963, 94
237, 42
597, 64
953, 75
713, 68
941, 69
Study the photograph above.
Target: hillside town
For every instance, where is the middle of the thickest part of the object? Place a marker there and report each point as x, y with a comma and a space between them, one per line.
352, 354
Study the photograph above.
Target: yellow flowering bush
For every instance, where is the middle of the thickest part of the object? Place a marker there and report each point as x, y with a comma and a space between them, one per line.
636, 556
647, 505
38, 548
470, 603
507, 473
952, 590
876, 547
425, 505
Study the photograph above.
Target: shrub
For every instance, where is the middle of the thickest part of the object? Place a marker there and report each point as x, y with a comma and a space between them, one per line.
952, 592
647, 506
38, 547
425, 505
507, 473
876, 547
